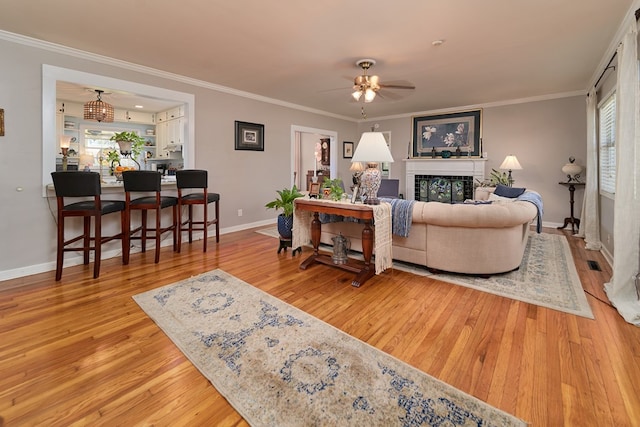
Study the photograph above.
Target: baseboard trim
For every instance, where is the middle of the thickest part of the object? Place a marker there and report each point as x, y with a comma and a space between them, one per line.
29, 270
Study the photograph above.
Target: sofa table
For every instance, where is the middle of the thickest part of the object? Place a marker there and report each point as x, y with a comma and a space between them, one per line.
364, 212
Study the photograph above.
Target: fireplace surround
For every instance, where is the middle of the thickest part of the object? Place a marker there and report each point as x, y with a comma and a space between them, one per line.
458, 172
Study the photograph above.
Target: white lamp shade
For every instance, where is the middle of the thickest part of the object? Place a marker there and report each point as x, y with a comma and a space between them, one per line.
65, 141
372, 148
369, 95
510, 163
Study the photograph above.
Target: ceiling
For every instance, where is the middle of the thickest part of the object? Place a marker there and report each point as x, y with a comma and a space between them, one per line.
304, 52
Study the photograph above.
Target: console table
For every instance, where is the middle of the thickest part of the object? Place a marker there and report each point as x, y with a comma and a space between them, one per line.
571, 219
363, 270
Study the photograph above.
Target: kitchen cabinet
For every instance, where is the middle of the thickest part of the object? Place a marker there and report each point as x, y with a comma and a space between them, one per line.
175, 113
140, 117
129, 116
161, 139
170, 126
71, 109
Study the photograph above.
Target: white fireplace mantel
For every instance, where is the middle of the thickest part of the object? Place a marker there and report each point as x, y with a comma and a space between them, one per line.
456, 167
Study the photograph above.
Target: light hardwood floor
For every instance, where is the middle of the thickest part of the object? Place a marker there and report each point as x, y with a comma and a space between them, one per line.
81, 352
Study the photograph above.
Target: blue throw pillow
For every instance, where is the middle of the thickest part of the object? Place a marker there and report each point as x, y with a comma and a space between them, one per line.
510, 192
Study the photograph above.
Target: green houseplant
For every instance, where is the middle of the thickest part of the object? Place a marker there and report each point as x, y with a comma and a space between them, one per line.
495, 178
130, 143
335, 188
284, 201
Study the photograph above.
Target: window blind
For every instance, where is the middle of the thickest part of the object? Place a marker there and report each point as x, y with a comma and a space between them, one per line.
607, 123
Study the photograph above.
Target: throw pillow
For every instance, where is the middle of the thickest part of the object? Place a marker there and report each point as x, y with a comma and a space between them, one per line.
495, 198
511, 192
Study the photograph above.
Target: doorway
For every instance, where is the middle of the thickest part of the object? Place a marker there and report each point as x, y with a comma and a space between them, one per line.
313, 151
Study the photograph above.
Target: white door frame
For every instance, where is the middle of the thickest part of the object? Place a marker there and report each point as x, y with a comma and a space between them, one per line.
333, 152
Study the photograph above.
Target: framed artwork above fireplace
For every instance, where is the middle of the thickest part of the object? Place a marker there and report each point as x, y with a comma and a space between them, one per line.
435, 134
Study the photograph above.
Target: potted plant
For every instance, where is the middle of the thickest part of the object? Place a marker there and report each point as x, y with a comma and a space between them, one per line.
335, 188
285, 202
130, 143
495, 178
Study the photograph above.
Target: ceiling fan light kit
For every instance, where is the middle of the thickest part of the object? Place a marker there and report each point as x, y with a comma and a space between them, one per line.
369, 86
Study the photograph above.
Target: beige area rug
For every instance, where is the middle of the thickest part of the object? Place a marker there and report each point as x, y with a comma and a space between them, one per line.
278, 366
547, 276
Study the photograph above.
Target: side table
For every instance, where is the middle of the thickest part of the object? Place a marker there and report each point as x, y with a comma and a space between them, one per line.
363, 270
575, 222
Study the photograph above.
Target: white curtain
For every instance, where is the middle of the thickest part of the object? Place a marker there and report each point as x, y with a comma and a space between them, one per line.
590, 223
626, 228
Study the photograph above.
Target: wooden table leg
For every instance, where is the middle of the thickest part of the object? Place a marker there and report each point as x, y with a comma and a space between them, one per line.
315, 241
367, 251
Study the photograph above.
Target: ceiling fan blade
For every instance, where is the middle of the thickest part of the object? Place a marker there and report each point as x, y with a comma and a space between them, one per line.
397, 84
388, 95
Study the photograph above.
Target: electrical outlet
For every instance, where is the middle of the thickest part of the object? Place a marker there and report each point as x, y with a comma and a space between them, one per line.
608, 239
239, 212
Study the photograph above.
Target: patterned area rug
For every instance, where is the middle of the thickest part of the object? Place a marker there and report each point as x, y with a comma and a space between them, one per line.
547, 276
277, 365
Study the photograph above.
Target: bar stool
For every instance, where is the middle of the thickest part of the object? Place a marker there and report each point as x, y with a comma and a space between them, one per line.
196, 179
148, 181
73, 184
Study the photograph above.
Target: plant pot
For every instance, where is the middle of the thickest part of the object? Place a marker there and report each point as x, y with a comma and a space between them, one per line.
285, 225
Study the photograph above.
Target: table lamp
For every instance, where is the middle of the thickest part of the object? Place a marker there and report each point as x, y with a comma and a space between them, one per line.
510, 163
65, 141
371, 150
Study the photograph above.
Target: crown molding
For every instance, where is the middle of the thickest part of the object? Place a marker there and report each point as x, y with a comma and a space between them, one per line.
480, 106
80, 54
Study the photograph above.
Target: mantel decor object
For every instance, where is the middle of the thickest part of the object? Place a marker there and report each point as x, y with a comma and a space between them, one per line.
446, 132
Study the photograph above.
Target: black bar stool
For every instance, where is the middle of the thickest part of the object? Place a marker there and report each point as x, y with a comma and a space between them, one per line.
73, 184
197, 181
148, 182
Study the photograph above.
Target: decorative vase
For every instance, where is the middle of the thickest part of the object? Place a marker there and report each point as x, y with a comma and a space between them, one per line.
370, 183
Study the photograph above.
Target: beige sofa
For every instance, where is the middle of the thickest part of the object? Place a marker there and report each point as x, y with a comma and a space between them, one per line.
477, 239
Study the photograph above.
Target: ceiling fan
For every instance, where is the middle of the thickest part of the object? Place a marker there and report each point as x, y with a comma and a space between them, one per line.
369, 86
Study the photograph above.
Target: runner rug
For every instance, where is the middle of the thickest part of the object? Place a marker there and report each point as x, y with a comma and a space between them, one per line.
278, 366
547, 276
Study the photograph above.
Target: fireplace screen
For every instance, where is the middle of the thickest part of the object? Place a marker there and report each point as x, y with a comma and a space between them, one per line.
445, 189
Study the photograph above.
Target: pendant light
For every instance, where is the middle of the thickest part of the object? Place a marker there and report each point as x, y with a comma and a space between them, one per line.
98, 110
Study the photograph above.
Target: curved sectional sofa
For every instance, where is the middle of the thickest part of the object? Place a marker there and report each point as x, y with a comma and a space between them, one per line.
479, 238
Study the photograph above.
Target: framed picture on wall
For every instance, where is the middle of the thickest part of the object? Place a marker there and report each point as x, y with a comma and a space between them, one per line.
347, 150
441, 133
249, 136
